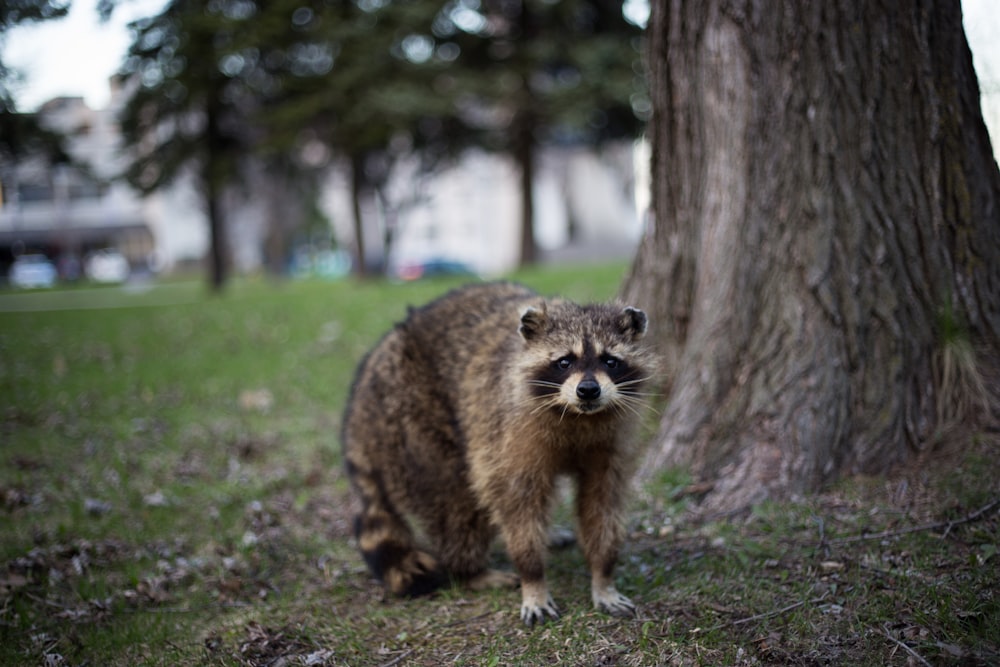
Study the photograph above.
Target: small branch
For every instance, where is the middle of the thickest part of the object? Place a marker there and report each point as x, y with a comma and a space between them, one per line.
946, 525
399, 658
768, 614
916, 656
462, 621
185, 610
822, 535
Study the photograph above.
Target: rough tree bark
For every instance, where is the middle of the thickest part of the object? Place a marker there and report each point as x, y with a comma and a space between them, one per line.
827, 229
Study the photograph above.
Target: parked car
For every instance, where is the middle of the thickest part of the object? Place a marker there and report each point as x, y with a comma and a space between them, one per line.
106, 266
434, 268
32, 271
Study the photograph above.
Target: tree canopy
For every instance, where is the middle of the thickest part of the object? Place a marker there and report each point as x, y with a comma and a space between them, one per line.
20, 133
217, 84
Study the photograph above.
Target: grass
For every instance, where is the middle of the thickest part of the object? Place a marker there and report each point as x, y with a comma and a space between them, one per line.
170, 493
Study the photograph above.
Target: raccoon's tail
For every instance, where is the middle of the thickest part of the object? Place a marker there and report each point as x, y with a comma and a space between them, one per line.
387, 545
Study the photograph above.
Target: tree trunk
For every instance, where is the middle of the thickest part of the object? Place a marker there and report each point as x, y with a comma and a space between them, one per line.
826, 238
214, 176
357, 185
524, 125
219, 265
524, 153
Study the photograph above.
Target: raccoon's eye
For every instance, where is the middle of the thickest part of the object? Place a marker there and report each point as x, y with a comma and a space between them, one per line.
612, 362
563, 363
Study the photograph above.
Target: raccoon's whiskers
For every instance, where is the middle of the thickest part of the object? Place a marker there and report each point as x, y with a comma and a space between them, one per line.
638, 399
631, 402
624, 404
629, 388
626, 384
539, 404
544, 383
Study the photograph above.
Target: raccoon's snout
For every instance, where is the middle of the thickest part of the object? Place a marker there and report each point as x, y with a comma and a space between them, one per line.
588, 390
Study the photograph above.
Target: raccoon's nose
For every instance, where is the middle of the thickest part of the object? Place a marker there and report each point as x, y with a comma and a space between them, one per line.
588, 390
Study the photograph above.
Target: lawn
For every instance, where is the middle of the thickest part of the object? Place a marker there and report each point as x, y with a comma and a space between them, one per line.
171, 493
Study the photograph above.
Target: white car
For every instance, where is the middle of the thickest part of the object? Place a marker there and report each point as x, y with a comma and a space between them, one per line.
107, 266
31, 271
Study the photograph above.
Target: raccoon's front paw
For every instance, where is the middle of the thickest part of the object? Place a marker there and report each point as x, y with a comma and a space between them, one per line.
537, 604
532, 613
612, 602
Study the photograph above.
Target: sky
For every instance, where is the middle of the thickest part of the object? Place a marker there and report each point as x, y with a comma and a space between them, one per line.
76, 55
72, 56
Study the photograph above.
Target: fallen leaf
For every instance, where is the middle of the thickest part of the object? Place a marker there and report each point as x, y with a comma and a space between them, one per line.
155, 499
12, 581
256, 400
96, 507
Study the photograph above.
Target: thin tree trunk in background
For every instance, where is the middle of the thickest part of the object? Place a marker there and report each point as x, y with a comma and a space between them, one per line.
525, 156
213, 177
827, 231
284, 206
357, 182
218, 271
524, 126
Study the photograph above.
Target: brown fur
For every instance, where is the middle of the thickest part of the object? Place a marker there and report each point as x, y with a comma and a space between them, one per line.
463, 417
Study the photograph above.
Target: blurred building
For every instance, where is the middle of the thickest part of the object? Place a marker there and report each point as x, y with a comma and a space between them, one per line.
589, 204
66, 211
469, 213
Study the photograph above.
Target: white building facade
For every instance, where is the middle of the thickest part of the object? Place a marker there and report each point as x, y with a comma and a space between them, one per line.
468, 213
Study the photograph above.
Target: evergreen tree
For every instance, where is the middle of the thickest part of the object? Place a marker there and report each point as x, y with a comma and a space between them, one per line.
188, 108
349, 74
373, 80
20, 133
537, 71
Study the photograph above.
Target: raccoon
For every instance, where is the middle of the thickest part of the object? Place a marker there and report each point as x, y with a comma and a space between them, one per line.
463, 417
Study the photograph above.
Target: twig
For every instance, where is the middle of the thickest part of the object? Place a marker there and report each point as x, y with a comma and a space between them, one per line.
947, 525
971, 517
185, 610
768, 614
462, 621
432, 629
822, 535
399, 658
913, 654
47, 602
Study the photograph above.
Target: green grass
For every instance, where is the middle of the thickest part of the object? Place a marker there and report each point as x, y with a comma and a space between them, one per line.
171, 493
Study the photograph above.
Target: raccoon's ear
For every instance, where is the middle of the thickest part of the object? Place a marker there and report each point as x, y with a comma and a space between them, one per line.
533, 321
632, 322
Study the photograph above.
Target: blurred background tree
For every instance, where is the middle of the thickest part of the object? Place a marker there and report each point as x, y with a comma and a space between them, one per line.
220, 86
20, 133
189, 112
341, 78
531, 72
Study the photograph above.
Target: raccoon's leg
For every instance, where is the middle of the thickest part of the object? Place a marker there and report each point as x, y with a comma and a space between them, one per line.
521, 509
600, 505
462, 536
386, 541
